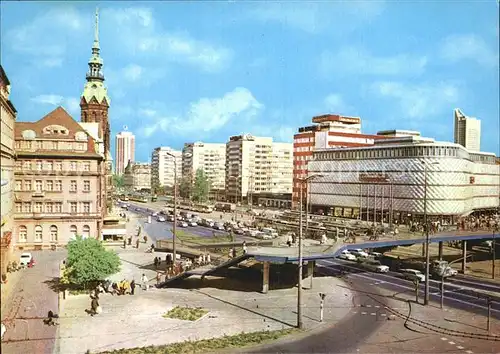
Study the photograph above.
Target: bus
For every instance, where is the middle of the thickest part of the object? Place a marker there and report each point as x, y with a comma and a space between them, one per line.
139, 198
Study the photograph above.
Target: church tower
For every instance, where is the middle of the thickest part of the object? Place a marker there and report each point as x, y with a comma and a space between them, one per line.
95, 101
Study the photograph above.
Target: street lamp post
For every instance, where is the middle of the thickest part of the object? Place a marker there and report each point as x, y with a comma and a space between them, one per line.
427, 240
174, 230
299, 285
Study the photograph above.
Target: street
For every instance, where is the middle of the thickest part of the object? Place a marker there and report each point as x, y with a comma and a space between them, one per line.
29, 303
456, 295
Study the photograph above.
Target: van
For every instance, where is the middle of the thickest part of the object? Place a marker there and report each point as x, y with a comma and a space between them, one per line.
270, 232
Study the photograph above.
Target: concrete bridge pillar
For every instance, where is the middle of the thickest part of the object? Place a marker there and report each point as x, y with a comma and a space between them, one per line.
440, 251
464, 256
265, 277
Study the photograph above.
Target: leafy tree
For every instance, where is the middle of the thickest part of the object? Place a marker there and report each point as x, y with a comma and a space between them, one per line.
88, 261
118, 181
201, 187
185, 188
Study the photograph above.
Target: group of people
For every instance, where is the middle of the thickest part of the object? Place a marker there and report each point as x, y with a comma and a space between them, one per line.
481, 222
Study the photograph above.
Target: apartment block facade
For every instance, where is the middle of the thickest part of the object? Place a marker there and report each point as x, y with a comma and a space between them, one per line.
467, 131
7, 154
58, 180
257, 166
125, 151
137, 176
164, 162
209, 157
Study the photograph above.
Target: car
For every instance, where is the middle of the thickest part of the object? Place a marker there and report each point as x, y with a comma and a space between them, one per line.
192, 223
161, 219
412, 274
183, 224
155, 214
347, 256
450, 272
376, 255
359, 253
25, 259
262, 235
218, 226
375, 266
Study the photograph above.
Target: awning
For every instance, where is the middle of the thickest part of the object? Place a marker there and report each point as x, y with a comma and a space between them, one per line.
110, 232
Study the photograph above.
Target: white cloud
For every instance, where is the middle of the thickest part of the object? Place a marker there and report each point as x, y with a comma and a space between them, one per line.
71, 104
44, 37
148, 112
468, 47
336, 104
314, 17
357, 61
209, 114
140, 34
419, 100
133, 72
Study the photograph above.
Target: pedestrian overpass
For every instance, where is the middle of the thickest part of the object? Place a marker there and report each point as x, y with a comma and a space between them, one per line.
280, 255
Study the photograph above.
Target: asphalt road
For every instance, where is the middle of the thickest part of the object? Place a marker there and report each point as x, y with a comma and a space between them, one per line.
460, 293
161, 230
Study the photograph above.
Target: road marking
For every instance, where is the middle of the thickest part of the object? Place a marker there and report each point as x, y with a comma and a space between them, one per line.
363, 313
377, 306
368, 305
469, 352
444, 338
460, 347
452, 343
383, 314
355, 312
373, 314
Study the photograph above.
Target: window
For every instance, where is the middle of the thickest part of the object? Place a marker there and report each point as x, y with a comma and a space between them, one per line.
86, 231
58, 166
73, 207
39, 165
86, 207
23, 233
38, 186
38, 207
26, 165
86, 166
50, 165
58, 186
72, 187
38, 233
19, 207
86, 186
50, 186
27, 207
73, 231
27, 185
72, 166
53, 233
49, 208
19, 185
58, 207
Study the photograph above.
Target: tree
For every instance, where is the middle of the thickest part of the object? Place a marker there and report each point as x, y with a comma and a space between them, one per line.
118, 181
201, 187
185, 188
88, 261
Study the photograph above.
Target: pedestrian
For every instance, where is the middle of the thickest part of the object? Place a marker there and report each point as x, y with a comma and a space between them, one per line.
124, 243
152, 248
234, 252
208, 258
132, 287
158, 278
95, 308
244, 247
156, 262
144, 281
137, 243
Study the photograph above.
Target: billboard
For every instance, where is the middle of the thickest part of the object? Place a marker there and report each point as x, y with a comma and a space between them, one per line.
373, 177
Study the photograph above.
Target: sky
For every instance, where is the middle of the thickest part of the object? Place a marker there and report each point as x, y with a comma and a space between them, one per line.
181, 72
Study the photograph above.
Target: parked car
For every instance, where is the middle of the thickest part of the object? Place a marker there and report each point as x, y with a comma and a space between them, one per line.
161, 219
25, 259
375, 266
376, 255
346, 255
183, 224
261, 235
218, 226
359, 253
412, 274
192, 223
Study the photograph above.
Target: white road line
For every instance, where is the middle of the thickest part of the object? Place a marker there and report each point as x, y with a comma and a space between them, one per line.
452, 343
460, 347
469, 352
377, 306
373, 314
383, 314
444, 338
368, 305
363, 313
412, 288
355, 312
458, 280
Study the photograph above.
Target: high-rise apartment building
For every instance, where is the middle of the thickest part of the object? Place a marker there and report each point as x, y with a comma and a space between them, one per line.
164, 162
209, 157
328, 130
125, 151
255, 166
467, 131
58, 182
8, 117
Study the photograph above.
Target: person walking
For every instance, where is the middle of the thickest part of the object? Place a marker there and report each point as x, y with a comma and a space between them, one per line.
156, 262
158, 278
245, 247
144, 281
132, 287
137, 243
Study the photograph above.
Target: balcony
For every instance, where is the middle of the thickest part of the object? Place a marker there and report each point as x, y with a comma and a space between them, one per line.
64, 215
23, 172
38, 194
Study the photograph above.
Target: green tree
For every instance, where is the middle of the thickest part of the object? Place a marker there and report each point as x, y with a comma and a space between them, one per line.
201, 187
118, 181
88, 261
185, 188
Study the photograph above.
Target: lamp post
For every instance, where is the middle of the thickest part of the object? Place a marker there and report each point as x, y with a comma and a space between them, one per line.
299, 285
174, 230
427, 240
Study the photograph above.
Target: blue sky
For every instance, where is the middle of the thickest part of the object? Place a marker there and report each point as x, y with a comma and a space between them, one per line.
187, 71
